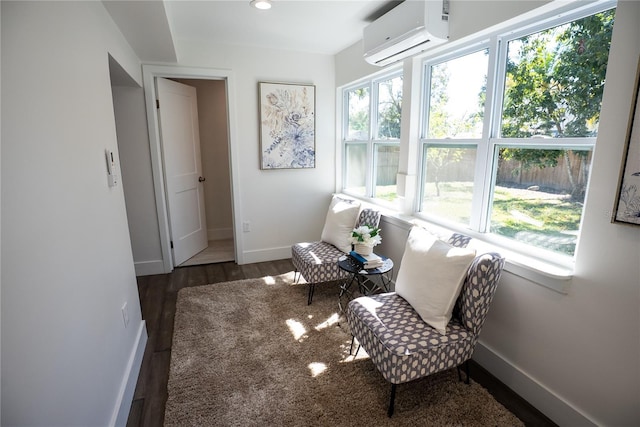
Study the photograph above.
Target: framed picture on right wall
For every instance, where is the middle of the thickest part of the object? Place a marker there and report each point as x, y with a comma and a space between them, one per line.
627, 208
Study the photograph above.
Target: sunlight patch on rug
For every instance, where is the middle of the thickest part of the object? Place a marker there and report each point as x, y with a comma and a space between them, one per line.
297, 329
332, 320
268, 280
317, 368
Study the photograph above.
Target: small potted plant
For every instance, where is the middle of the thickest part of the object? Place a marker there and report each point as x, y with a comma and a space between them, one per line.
364, 238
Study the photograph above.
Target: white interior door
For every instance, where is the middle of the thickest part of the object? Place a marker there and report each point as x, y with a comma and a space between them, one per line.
178, 117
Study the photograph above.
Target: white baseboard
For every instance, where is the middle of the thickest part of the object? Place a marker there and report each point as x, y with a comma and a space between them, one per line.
220, 233
269, 254
128, 386
147, 268
543, 399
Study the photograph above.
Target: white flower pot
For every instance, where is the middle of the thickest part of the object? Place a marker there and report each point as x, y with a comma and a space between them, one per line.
363, 249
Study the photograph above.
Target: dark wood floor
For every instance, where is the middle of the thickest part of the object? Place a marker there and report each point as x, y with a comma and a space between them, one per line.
158, 300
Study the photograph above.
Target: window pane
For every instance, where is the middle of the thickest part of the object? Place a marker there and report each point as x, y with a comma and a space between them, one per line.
387, 161
555, 79
358, 120
448, 182
389, 108
539, 196
457, 96
356, 167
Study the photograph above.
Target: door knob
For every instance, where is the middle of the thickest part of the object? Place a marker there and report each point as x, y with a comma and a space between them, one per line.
201, 179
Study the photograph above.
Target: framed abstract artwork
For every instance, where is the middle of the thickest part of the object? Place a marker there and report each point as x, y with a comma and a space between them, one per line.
287, 126
627, 208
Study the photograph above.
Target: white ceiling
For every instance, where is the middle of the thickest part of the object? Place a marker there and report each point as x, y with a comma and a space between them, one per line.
318, 26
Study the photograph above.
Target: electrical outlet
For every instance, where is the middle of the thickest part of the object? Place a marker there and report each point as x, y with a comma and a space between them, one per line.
125, 314
246, 226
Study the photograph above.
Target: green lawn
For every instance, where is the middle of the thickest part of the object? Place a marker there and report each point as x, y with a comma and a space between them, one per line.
538, 218
548, 222
541, 219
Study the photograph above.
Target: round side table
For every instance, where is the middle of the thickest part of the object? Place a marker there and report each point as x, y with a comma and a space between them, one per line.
368, 281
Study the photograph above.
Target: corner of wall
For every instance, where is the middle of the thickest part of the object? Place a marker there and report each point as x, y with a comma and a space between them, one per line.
130, 379
556, 408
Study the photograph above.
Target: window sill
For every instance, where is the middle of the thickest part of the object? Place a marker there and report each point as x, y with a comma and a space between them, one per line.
541, 272
538, 271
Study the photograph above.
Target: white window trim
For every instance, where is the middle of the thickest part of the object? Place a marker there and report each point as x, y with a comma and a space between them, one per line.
543, 273
371, 142
486, 145
554, 274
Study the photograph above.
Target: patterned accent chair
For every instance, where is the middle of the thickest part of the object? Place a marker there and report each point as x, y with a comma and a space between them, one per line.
317, 262
404, 348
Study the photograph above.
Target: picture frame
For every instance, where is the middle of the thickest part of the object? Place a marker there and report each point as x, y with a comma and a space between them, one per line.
627, 203
287, 125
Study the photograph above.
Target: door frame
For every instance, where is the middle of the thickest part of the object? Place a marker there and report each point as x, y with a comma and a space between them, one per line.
149, 74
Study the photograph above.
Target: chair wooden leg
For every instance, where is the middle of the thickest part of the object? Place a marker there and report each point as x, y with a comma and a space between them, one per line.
391, 400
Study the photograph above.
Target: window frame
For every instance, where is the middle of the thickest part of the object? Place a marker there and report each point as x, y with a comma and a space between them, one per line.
481, 144
488, 145
372, 142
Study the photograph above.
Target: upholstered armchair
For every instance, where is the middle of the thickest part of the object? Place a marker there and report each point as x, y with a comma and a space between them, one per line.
317, 261
401, 344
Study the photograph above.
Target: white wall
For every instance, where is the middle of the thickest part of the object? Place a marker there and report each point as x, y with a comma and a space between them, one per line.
575, 357
0, 233
66, 258
137, 181
283, 206
137, 178
285, 196
467, 17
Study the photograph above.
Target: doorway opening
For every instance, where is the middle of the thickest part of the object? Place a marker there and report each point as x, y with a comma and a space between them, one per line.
220, 250
214, 149
223, 234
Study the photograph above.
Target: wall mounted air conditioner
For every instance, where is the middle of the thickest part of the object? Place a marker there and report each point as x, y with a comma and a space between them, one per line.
409, 28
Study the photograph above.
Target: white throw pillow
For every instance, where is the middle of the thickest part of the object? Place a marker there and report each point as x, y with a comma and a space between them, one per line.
431, 276
340, 221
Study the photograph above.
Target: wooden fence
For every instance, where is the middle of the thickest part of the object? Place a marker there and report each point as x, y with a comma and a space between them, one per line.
511, 173
388, 159
562, 178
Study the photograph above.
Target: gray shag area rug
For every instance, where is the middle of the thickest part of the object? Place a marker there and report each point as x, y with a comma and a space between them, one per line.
253, 353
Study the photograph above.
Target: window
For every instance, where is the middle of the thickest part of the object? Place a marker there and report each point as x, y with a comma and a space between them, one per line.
506, 148
447, 189
356, 138
540, 205
456, 96
455, 111
371, 137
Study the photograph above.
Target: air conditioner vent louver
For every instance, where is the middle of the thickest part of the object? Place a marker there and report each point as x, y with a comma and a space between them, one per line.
409, 28
399, 54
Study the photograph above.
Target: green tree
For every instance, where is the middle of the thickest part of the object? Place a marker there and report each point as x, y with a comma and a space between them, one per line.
444, 125
390, 109
359, 111
554, 84
438, 159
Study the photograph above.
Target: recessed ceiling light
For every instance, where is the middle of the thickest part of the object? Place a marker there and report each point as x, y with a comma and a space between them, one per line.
261, 4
